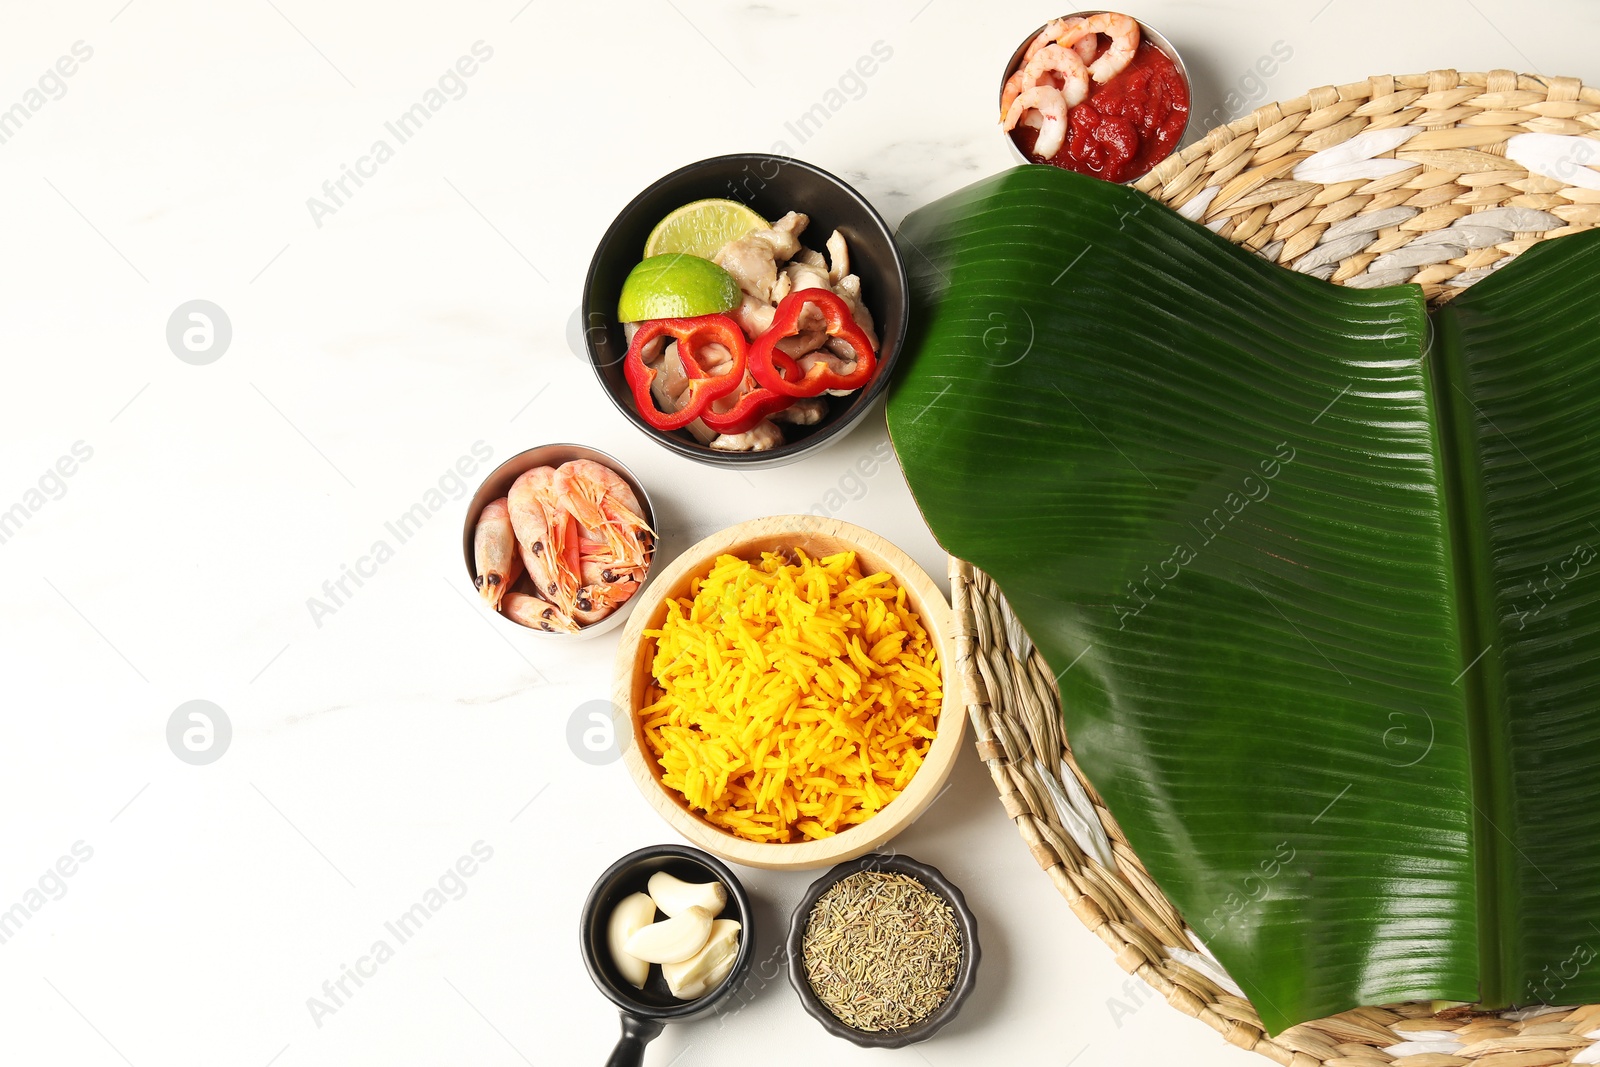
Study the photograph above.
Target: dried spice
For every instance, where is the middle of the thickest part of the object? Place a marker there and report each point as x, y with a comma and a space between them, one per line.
881, 950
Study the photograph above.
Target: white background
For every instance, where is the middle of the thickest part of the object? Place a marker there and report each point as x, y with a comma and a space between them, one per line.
431, 311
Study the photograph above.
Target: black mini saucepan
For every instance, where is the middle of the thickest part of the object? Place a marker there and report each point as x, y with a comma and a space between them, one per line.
645, 1012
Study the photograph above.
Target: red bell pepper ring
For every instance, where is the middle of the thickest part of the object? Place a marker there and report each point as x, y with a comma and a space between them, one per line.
775, 370
752, 407
692, 335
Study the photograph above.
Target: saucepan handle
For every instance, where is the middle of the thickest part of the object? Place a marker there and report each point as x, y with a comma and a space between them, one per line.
636, 1034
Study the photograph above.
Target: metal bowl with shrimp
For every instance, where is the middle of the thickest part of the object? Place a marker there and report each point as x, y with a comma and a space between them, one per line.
772, 186
1085, 46
504, 583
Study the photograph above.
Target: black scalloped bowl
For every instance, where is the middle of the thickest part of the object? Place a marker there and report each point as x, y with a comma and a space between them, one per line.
966, 972
771, 185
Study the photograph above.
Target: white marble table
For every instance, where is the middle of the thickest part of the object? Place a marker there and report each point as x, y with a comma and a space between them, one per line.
172, 521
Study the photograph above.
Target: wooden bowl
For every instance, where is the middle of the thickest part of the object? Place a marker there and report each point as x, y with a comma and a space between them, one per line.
817, 537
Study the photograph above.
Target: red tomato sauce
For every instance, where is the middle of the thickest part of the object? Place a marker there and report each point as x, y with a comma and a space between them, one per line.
1126, 126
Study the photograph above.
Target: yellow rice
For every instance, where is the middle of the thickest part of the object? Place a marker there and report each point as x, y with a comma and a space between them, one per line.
791, 700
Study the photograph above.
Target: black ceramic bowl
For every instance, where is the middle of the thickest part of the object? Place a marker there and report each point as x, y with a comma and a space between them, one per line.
771, 185
966, 973
645, 1011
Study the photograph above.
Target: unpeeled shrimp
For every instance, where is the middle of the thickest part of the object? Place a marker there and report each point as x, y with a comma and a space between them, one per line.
547, 535
603, 591
537, 613
598, 498
496, 560
1052, 107
1124, 34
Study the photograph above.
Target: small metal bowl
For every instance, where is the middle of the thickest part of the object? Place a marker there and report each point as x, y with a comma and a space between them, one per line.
1146, 33
498, 483
646, 1011
772, 185
966, 972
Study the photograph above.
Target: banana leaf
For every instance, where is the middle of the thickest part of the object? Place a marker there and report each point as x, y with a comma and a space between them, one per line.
1314, 569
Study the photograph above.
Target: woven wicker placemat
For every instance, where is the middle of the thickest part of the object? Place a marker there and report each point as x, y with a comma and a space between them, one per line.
1424, 178
1433, 178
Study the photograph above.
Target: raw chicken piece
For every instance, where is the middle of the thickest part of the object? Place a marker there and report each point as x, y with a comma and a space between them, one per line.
806, 341
669, 387
839, 364
838, 257
807, 411
753, 259
670, 383
763, 436
754, 316
848, 289
803, 275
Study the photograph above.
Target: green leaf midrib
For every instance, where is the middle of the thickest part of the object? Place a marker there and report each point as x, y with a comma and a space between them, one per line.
1482, 680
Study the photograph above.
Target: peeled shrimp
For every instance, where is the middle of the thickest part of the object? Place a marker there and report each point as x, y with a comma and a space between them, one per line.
1033, 89
547, 535
1052, 107
494, 553
1124, 34
537, 613
1015, 86
597, 497
1050, 34
1056, 63
1050, 65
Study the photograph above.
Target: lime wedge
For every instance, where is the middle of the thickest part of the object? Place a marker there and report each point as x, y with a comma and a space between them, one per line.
702, 228
674, 286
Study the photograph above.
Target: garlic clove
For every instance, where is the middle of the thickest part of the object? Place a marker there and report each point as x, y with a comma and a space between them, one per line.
705, 970
675, 896
671, 940
632, 914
